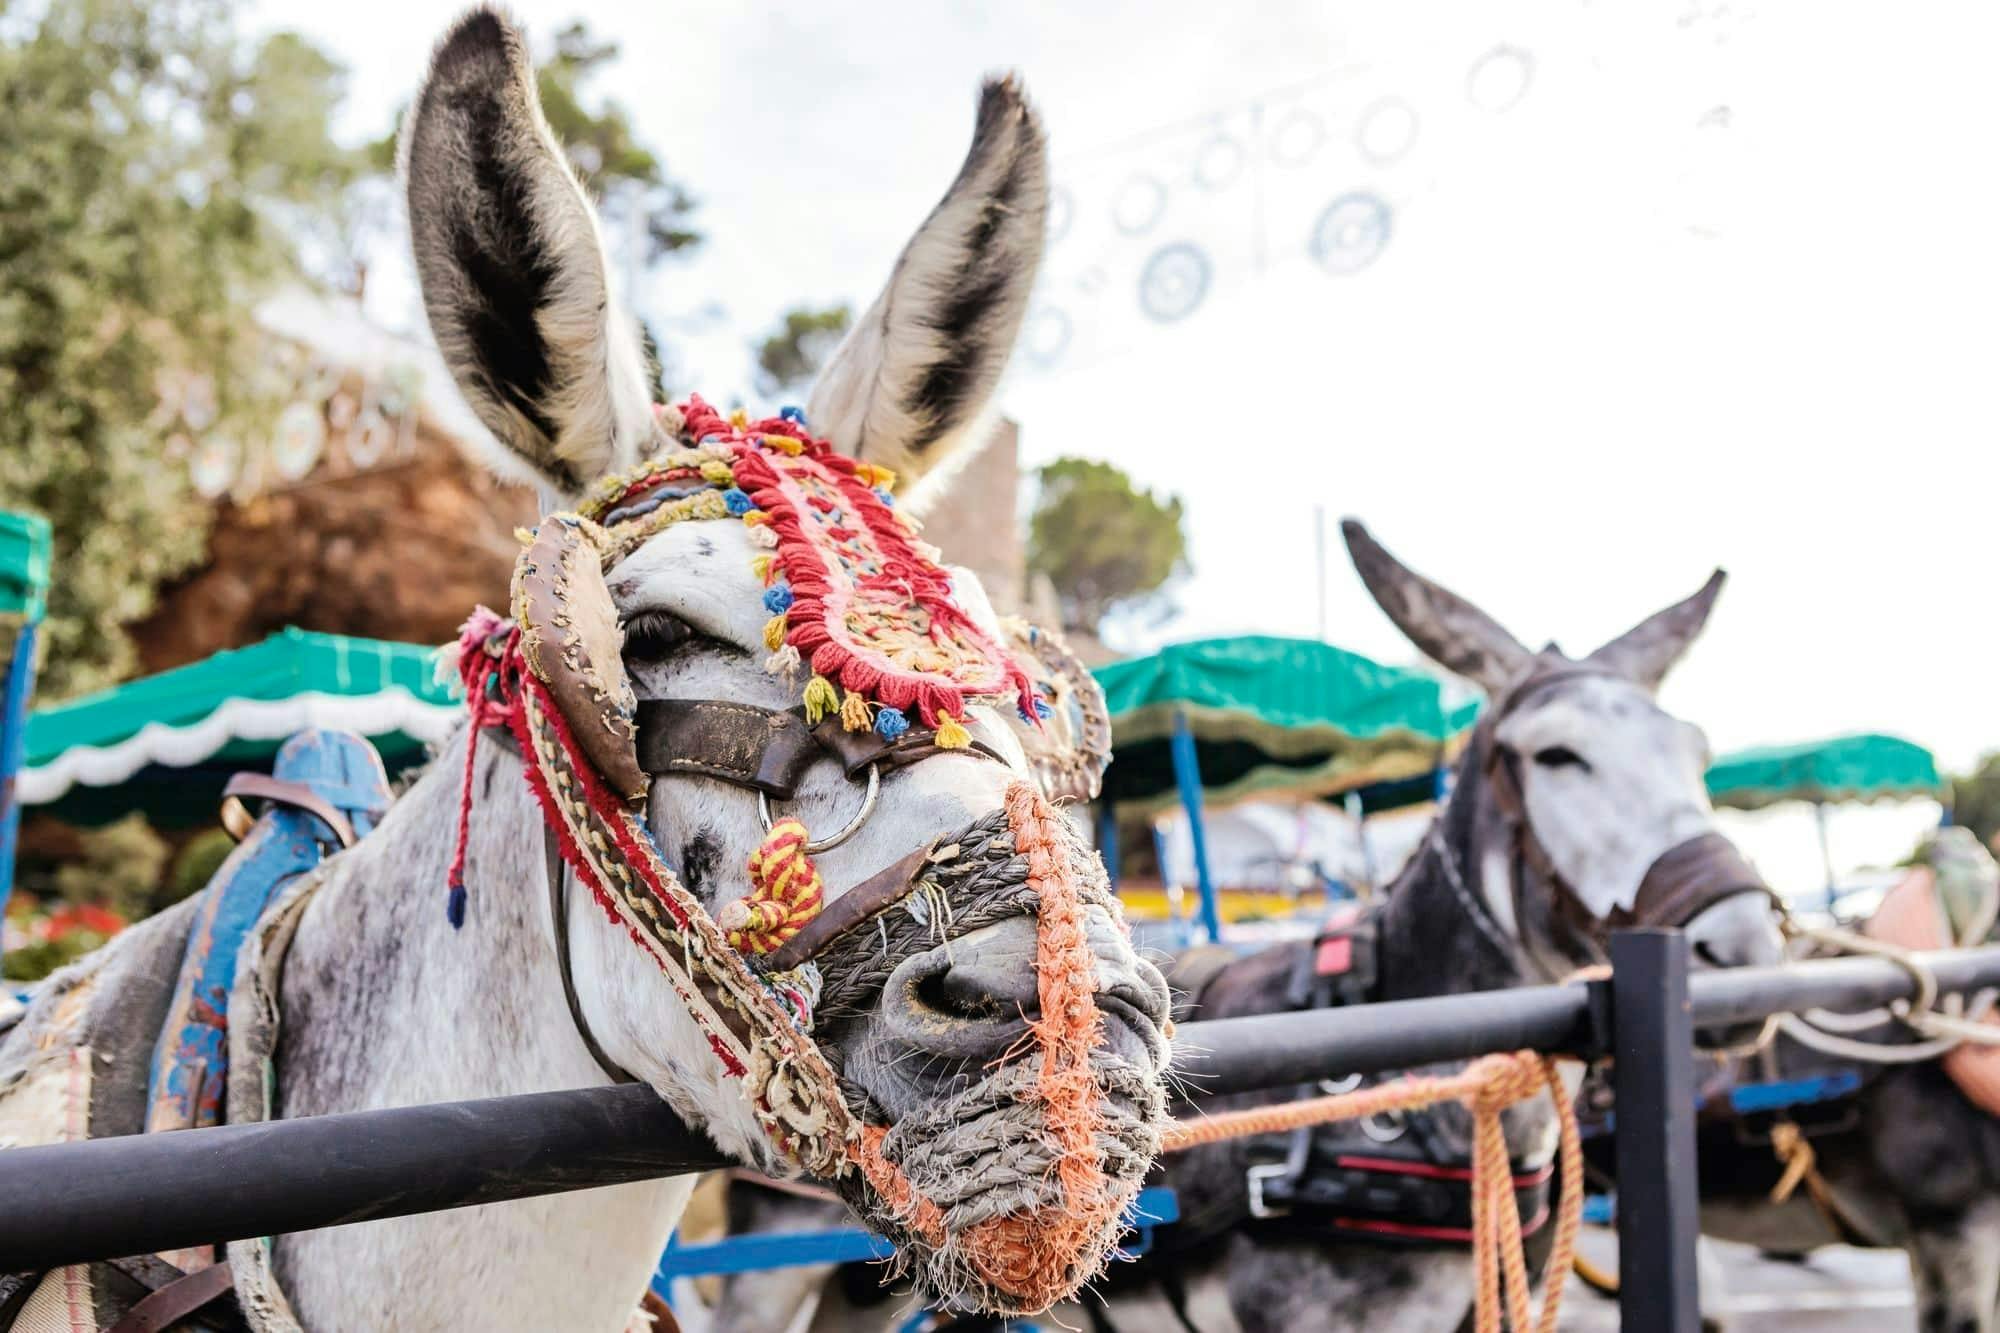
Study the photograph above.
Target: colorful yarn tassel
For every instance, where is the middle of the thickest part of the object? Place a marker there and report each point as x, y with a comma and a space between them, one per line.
854, 712
783, 662
890, 723
951, 733
777, 599
739, 503
774, 632
785, 892
821, 699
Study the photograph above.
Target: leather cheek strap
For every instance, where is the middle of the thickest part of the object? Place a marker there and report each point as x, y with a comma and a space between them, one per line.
765, 749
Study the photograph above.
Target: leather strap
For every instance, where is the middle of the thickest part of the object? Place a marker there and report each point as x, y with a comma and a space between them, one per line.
858, 750
1691, 877
177, 1300
556, 873
264, 787
879, 892
764, 749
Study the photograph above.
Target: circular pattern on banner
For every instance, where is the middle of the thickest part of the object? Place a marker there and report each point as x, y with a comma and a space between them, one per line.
1174, 282
1386, 131
297, 439
1499, 79
1062, 211
213, 465
1047, 335
1092, 280
1351, 232
1141, 203
1219, 163
1297, 139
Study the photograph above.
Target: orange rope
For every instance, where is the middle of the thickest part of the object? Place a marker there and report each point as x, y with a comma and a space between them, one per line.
1487, 1087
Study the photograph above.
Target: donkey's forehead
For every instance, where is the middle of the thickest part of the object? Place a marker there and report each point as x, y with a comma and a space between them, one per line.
700, 571
1580, 704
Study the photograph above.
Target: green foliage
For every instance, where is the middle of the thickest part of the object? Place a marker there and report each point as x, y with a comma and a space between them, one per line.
119, 868
1104, 543
1975, 799
160, 174
195, 866
789, 358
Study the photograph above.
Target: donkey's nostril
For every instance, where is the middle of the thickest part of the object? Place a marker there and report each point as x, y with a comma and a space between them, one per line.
970, 995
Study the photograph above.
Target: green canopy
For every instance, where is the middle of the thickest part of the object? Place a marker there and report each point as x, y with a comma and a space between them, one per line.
1273, 716
24, 565
166, 743
1845, 768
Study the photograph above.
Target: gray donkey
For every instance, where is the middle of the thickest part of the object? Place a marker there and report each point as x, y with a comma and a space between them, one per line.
386, 1004
1574, 787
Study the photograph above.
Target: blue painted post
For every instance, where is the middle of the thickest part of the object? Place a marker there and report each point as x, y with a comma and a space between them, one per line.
14, 695
25, 543
1107, 841
1187, 775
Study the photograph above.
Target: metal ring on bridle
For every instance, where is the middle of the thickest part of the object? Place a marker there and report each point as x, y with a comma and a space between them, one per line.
853, 825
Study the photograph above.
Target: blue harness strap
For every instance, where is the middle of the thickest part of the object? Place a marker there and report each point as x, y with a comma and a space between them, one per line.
190, 1061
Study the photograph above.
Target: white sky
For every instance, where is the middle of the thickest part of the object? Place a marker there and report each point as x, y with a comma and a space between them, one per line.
1719, 289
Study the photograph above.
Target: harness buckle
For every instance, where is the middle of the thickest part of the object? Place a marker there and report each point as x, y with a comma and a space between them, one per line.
1254, 1179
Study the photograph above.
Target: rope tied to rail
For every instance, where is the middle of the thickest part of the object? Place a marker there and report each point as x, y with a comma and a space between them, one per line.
1487, 1087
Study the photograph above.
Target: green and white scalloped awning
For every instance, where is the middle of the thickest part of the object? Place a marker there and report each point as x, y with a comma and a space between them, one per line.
1275, 717
234, 709
1866, 767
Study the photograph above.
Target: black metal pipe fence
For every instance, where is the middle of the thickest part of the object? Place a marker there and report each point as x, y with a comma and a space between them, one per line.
106, 1198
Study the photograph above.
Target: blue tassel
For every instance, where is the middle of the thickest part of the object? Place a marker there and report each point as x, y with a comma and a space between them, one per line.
454, 906
777, 599
738, 502
793, 414
885, 497
890, 723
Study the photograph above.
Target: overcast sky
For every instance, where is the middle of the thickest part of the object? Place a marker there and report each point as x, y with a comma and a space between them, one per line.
1620, 292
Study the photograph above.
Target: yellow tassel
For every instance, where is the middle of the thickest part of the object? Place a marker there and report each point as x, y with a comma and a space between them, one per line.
756, 516
854, 713
820, 699
774, 631
718, 472
874, 474
951, 734
739, 418
785, 444
760, 565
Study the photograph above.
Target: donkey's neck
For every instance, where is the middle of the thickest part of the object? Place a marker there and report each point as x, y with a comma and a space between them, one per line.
1462, 924
384, 1004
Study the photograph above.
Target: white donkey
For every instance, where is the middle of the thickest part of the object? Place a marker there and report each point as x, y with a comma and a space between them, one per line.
383, 1003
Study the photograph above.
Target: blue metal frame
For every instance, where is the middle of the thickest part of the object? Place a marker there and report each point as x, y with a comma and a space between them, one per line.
20, 684
1187, 776
1154, 1207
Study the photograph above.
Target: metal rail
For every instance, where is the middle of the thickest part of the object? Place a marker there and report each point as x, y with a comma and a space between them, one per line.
105, 1198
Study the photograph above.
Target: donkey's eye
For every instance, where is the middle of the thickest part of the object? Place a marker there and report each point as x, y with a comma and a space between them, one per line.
1560, 756
651, 635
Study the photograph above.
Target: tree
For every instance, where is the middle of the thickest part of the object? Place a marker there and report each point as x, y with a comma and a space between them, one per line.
160, 175
1975, 799
792, 354
1105, 544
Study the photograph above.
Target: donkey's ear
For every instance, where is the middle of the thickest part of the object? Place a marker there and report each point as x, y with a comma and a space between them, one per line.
514, 274
1450, 630
915, 375
1647, 651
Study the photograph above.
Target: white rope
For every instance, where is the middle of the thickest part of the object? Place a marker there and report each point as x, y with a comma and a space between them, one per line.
1943, 1025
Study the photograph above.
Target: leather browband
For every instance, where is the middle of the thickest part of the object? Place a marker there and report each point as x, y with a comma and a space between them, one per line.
768, 750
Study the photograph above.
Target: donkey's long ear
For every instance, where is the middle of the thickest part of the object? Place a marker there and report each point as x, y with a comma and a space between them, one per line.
915, 375
513, 270
1450, 630
1648, 650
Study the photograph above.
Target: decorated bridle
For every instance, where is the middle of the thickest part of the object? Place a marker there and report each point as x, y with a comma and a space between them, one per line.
891, 661
1684, 881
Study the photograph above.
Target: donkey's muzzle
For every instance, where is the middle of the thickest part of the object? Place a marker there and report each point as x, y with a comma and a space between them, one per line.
1690, 877
975, 998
